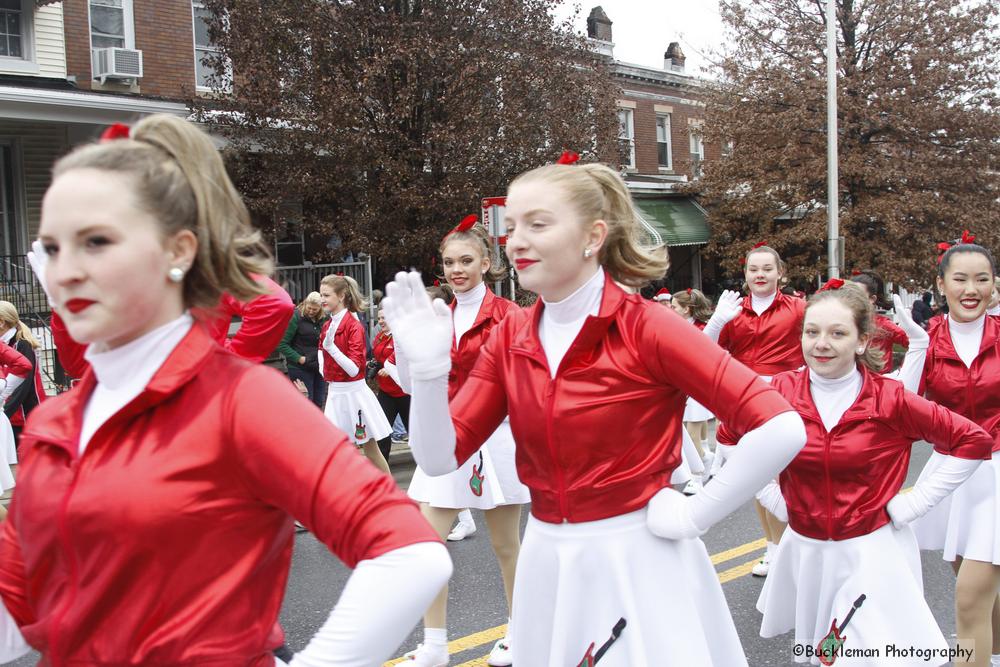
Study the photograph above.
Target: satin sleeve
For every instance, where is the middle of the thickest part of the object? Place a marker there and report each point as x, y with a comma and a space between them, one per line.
70, 352
678, 354
265, 320
354, 509
951, 434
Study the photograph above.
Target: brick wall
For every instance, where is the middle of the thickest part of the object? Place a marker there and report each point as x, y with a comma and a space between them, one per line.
164, 34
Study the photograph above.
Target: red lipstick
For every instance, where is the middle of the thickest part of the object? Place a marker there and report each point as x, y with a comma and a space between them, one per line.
524, 263
77, 305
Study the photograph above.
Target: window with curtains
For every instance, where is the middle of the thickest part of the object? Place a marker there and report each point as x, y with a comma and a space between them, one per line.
626, 136
111, 24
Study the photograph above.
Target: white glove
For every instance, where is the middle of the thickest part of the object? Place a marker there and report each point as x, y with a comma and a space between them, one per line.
729, 306
342, 359
423, 330
10, 384
948, 473
911, 371
758, 458
904, 319
772, 500
38, 259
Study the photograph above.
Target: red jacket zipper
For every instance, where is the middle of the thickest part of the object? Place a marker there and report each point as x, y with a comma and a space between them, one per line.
560, 482
829, 488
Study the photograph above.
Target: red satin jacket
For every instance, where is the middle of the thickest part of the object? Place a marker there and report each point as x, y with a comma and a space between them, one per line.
349, 339
768, 343
603, 436
13, 362
169, 540
464, 355
973, 392
265, 319
888, 334
384, 349
837, 487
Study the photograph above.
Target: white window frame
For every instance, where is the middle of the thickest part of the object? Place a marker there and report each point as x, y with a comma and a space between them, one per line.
17, 204
26, 62
697, 143
669, 141
128, 18
629, 132
228, 87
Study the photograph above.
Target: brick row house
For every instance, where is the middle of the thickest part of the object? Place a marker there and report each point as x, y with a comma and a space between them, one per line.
67, 70
660, 117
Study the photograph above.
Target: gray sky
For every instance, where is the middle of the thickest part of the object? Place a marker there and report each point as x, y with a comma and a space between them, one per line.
642, 29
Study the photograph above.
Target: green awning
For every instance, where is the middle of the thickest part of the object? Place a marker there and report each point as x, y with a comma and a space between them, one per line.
678, 220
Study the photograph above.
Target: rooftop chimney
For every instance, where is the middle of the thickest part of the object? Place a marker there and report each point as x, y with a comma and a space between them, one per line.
673, 59
599, 25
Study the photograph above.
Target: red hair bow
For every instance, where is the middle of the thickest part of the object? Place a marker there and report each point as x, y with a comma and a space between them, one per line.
759, 245
832, 283
116, 131
437, 283
688, 290
468, 222
968, 237
568, 157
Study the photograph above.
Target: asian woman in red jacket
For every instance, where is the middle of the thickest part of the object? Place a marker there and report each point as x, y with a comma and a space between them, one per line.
962, 373
762, 331
97, 564
595, 381
350, 403
848, 543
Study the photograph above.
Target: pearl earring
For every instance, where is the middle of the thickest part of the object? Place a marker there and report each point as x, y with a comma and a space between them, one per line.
587, 252
861, 350
176, 274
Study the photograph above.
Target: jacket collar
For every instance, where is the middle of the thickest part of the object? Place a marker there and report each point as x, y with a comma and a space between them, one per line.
944, 347
62, 427
485, 310
862, 408
526, 340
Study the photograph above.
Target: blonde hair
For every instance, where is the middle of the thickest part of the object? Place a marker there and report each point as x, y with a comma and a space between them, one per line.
696, 303
855, 298
478, 237
10, 319
312, 299
180, 179
347, 289
597, 192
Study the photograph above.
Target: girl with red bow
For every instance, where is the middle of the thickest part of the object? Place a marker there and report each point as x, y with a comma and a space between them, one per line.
762, 331
488, 479
595, 380
962, 373
153, 518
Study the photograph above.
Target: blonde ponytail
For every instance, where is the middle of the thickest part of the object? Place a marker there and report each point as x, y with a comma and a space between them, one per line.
597, 192
181, 180
10, 319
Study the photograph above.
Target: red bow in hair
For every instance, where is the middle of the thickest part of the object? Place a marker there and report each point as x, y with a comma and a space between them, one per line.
855, 272
437, 283
759, 245
468, 222
568, 157
942, 248
968, 237
688, 290
116, 131
832, 283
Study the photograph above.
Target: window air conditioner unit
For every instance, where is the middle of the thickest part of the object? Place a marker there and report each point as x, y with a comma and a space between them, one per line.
117, 63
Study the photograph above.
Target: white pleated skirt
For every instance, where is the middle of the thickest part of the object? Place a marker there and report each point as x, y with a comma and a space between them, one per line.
696, 412
966, 523
494, 481
353, 408
8, 453
812, 582
576, 580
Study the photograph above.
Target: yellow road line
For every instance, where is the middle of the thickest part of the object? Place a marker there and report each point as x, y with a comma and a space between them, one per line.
466, 642
478, 662
741, 550
738, 571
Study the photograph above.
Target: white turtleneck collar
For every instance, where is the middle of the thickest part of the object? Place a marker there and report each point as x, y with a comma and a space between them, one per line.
122, 373
562, 320
833, 396
467, 306
762, 303
9, 336
967, 337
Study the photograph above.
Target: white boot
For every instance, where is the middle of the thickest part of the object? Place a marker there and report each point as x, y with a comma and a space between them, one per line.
465, 527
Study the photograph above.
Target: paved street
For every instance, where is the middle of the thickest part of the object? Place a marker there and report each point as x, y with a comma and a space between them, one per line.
477, 612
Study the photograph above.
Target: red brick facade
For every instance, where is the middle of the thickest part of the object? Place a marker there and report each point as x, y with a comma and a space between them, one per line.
163, 32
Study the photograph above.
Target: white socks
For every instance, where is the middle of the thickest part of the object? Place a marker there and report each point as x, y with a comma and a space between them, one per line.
771, 546
465, 516
436, 637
